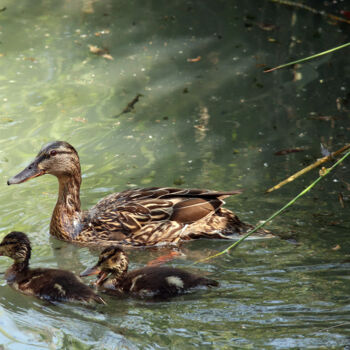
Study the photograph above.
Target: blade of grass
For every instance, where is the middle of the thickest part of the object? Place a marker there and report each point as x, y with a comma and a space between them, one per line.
307, 58
307, 189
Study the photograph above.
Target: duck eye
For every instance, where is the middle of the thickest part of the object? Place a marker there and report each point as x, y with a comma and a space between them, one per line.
53, 152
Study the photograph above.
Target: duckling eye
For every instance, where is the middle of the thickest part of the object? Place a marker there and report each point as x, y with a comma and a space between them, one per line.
53, 152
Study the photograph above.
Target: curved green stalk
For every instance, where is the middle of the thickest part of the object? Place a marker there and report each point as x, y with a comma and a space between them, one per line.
307, 58
307, 189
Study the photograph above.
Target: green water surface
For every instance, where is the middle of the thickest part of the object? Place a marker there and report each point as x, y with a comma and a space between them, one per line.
208, 117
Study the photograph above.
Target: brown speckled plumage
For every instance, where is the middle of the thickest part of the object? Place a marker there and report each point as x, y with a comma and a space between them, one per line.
136, 217
47, 284
155, 281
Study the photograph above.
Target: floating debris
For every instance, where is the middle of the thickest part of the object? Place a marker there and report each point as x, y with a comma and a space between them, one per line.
102, 32
341, 200
100, 52
290, 150
192, 60
130, 106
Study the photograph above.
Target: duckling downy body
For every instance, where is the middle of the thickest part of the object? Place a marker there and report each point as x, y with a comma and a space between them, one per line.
48, 284
155, 281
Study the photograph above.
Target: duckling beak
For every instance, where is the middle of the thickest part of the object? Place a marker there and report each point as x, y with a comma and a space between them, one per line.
28, 173
95, 270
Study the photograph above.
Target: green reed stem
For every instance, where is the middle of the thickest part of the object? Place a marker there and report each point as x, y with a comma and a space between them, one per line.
307, 189
308, 58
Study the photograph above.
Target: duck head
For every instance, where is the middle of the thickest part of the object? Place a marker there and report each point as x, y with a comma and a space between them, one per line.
57, 158
112, 262
16, 245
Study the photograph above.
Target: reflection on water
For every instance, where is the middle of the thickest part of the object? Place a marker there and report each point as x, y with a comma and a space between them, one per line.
208, 117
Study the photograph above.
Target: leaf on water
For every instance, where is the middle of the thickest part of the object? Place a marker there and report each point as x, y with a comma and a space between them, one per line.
79, 119
267, 26
290, 150
341, 200
100, 52
108, 56
193, 60
326, 118
102, 32
96, 50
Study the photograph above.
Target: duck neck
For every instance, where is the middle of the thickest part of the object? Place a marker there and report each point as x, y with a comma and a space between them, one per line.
118, 275
18, 267
117, 278
66, 221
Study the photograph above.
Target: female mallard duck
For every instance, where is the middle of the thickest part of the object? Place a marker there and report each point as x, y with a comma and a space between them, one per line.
48, 284
140, 217
150, 281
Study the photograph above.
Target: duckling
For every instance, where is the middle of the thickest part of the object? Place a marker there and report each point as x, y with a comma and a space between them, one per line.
150, 281
136, 217
47, 284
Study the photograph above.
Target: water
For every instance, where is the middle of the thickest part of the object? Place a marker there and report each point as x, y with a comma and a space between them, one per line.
208, 118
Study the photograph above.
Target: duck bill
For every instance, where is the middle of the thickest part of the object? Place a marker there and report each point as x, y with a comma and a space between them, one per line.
90, 271
28, 173
95, 270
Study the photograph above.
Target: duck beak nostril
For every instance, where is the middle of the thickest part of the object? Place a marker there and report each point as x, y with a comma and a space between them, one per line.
28, 173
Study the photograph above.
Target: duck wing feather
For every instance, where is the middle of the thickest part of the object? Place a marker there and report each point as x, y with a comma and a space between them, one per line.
147, 210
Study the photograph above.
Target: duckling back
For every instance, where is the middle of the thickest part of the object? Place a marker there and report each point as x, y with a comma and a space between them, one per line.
53, 285
162, 281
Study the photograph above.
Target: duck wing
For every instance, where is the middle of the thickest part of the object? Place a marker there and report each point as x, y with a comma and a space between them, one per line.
154, 211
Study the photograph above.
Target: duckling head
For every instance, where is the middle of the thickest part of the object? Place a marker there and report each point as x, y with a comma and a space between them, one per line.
112, 262
16, 245
57, 158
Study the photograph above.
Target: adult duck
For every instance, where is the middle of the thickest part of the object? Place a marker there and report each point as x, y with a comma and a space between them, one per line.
149, 281
139, 217
47, 284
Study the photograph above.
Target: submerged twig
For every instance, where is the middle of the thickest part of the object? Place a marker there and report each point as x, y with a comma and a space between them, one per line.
311, 9
307, 189
130, 106
289, 150
308, 168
